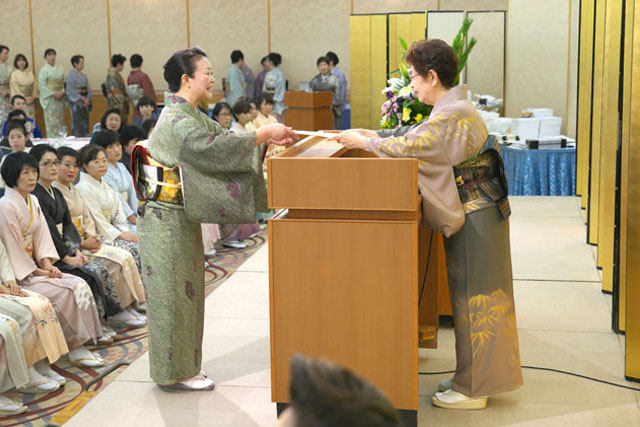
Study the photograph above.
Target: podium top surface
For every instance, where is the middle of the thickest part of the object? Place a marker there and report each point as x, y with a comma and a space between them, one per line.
319, 174
304, 99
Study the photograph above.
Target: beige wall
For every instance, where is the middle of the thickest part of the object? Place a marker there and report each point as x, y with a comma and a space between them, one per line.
302, 31
538, 43
537, 56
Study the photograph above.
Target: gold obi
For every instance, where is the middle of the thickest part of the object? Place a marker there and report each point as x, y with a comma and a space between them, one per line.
153, 180
26, 90
55, 85
4, 84
78, 223
82, 90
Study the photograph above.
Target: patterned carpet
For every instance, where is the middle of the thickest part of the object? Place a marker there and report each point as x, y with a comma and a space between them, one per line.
44, 407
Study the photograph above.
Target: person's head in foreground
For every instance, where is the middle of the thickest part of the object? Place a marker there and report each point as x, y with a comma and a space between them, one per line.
327, 395
434, 69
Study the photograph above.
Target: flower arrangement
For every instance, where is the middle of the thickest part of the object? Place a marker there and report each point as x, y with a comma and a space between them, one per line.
402, 107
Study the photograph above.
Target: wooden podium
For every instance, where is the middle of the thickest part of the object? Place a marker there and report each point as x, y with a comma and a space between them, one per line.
308, 111
349, 263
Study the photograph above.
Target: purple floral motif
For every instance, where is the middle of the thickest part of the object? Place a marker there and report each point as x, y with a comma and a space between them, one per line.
211, 138
222, 212
188, 290
177, 99
149, 271
176, 119
234, 190
158, 213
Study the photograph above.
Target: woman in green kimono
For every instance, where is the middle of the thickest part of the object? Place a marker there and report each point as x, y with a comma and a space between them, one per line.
464, 196
203, 174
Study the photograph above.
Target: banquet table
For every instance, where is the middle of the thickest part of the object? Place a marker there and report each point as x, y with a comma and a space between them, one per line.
550, 172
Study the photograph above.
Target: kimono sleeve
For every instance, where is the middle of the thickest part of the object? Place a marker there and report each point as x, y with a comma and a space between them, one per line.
43, 245
423, 142
89, 223
58, 240
11, 236
43, 76
6, 271
70, 89
112, 179
104, 226
211, 149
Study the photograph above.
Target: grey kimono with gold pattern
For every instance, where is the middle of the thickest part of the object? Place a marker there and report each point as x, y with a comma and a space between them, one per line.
476, 244
219, 184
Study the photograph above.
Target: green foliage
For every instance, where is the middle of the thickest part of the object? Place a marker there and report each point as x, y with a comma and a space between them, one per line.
408, 112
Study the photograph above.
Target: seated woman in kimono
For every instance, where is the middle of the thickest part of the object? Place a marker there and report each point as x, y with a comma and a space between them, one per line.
17, 137
40, 337
67, 242
118, 177
32, 253
111, 120
120, 263
104, 204
464, 196
220, 182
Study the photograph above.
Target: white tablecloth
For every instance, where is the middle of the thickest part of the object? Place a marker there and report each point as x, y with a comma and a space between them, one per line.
75, 143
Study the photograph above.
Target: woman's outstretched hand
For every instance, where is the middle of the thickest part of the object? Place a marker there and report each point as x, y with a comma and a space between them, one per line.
350, 139
277, 134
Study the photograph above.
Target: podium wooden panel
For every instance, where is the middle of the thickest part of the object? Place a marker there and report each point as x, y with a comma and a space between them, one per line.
353, 274
308, 111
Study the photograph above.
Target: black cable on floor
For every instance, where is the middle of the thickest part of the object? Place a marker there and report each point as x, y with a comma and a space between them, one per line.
559, 371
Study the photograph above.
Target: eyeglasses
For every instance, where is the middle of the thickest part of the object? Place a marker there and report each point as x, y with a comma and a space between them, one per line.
100, 162
49, 163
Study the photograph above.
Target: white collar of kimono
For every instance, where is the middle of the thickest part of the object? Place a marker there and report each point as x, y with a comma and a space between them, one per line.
91, 180
456, 93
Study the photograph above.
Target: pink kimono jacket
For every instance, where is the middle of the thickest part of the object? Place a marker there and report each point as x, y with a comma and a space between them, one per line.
25, 235
453, 133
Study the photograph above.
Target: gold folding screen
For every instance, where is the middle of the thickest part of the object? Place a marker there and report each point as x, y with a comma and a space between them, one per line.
630, 188
376, 50
609, 141
368, 69
584, 99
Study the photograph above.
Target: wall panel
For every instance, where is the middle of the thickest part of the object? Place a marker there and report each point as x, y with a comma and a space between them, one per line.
154, 29
537, 59
485, 66
302, 31
587, 15
220, 27
14, 32
390, 6
82, 32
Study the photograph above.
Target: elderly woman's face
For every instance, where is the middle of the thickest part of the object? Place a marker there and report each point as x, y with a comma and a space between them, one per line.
201, 84
424, 86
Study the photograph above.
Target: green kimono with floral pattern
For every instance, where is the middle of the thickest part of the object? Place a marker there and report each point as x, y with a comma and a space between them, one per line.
219, 170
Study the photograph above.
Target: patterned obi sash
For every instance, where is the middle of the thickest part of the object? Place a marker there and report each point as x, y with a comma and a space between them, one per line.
154, 181
481, 180
27, 90
4, 84
55, 85
78, 223
82, 90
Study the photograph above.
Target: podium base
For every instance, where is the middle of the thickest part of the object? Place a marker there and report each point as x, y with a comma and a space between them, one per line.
408, 418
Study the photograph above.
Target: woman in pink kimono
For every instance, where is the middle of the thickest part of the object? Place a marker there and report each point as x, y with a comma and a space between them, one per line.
464, 196
25, 234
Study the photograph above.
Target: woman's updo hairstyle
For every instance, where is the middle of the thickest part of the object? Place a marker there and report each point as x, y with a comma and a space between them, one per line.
436, 55
182, 62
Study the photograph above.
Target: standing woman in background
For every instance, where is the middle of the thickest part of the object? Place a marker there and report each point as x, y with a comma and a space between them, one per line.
51, 84
23, 82
275, 84
464, 195
208, 177
5, 92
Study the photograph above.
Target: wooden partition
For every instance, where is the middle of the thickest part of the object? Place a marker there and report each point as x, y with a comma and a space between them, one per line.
353, 274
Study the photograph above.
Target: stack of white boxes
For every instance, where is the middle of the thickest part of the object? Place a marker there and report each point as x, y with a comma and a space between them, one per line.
543, 125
